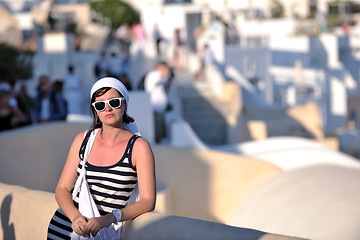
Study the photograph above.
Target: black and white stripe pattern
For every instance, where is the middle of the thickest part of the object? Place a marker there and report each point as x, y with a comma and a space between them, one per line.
59, 227
110, 187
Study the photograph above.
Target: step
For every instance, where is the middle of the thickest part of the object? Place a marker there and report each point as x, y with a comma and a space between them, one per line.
203, 111
195, 90
207, 122
213, 134
197, 104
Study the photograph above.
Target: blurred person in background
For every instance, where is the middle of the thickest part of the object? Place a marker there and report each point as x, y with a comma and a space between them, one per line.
124, 67
177, 43
158, 38
72, 91
10, 115
48, 103
101, 66
9, 86
206, 59
124, 78
115, 65
25, 103
139, 37
58, 87
123, 35
157, 83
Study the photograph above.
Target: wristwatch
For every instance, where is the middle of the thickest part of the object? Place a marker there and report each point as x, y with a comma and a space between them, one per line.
117, 214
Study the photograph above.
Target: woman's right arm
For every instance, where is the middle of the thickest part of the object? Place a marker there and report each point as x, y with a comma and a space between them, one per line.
66, 184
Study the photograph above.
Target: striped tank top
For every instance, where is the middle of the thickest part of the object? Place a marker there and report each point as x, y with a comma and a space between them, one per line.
111, 186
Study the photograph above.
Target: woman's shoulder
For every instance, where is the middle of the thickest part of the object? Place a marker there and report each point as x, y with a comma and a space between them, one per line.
75, 146
142, 151
141, 143
80, 136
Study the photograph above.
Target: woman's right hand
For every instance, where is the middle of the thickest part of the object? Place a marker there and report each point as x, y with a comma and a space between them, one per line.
78, 225
66, 184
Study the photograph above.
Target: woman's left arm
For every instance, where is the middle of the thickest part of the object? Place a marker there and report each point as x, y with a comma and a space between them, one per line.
143, 160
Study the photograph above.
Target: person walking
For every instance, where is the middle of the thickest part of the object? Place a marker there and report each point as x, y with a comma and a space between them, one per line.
206, 59
158, 38
177, 44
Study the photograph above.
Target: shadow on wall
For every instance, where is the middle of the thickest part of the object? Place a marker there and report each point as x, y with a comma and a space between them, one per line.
8, 229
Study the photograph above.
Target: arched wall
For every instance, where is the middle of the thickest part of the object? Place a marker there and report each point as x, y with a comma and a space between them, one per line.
317, 202
203, 184
26, 212
207, 184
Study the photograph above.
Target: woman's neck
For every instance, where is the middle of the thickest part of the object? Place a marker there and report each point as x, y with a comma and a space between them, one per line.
111, 135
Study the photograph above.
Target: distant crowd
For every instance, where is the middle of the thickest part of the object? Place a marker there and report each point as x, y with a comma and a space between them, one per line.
53, 100
18, 108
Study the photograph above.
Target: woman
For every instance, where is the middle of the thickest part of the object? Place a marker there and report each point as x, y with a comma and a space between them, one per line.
117, 161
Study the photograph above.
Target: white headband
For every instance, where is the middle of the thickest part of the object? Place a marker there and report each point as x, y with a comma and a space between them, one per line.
113, 83
118, 85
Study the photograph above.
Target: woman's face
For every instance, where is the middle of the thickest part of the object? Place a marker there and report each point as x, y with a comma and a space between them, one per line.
111, 116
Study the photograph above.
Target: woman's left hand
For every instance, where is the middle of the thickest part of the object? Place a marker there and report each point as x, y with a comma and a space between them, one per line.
94, 225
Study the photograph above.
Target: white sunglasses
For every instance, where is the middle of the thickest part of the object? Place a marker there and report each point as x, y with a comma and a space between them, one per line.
113, 103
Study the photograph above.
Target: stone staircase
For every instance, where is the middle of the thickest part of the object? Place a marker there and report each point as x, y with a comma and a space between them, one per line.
203, 111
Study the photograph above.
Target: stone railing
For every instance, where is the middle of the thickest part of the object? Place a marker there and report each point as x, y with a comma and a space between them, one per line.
26, 212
